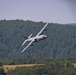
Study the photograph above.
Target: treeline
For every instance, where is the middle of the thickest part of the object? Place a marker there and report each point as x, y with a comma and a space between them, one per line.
31, 61
34, 61
60, 43
55, 68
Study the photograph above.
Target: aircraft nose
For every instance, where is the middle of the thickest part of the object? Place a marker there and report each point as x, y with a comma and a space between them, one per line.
45, 36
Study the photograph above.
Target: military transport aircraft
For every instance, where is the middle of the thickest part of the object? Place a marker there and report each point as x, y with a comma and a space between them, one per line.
37, 38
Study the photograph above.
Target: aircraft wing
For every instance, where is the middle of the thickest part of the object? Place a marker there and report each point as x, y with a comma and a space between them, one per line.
28, 45
42, 30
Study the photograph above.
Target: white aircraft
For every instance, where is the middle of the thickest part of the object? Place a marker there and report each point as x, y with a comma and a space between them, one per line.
37, 38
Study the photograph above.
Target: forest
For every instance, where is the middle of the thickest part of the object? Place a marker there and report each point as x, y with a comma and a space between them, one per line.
60, 41
57, 52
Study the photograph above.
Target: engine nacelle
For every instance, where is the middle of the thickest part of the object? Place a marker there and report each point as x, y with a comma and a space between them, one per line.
41, 33
36, 40
45, 29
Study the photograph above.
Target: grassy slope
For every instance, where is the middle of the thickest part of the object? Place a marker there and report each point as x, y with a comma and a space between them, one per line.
12, 67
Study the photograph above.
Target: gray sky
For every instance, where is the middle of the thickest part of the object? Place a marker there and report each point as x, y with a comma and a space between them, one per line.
56, 11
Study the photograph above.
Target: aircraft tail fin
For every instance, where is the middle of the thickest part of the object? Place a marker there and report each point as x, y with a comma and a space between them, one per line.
24, 37
28, 36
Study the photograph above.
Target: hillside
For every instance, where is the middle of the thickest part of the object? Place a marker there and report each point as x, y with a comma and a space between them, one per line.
71, 24
60, 43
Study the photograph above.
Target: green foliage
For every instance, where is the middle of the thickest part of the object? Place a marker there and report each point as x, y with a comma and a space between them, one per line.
69, 64
49, 67
43, 70
60, 43
1, 71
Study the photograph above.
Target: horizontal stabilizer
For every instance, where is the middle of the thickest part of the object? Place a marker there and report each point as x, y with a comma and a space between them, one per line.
24, 42
30, 36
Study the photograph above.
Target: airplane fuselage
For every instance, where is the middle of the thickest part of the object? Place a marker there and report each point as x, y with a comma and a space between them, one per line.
37, 38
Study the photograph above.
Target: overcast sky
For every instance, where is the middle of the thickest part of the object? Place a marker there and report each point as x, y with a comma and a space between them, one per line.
56, 11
